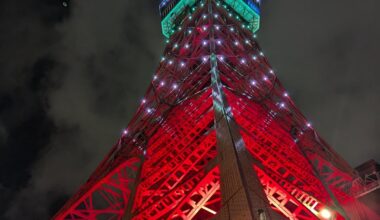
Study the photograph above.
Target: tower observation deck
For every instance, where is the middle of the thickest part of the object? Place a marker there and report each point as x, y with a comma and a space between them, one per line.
172, 13
217, 136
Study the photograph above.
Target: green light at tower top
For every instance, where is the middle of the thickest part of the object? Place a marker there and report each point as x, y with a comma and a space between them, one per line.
174, 11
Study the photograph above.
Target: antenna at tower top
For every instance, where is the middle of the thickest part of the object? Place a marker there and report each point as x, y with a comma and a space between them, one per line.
173, 12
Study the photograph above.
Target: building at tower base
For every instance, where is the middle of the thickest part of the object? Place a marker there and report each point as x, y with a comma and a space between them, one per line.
369, 173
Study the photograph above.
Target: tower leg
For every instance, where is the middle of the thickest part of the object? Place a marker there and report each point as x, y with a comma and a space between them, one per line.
243, 196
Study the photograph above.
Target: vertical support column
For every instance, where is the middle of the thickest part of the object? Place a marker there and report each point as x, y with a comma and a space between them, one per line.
243, 196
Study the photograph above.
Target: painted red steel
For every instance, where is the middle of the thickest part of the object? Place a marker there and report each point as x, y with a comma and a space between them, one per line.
165, 165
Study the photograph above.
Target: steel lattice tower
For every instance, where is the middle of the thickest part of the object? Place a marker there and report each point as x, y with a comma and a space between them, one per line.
216, 135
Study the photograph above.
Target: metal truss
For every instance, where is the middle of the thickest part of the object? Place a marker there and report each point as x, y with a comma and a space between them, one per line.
167, 164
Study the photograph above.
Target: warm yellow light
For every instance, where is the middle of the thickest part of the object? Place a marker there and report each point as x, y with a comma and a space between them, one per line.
325, 213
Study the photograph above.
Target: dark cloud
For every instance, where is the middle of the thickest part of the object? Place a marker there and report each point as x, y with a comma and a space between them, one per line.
71, 78
84, 74
327, 56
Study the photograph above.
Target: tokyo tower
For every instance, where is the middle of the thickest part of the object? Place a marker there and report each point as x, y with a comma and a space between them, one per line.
217, 136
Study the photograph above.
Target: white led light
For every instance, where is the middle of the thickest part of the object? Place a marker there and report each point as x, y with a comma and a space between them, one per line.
170, 62
325, 213
253, 82
162, 83
187, 46
143, 101
175, 86
286, 94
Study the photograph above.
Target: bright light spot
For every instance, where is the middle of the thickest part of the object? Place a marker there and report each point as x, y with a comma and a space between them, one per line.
243, 61
217, 27
219, 42
265, 78
204, 43
325, 213
204, 59
282, 105
162, 83
154, 77
253, 82
254, 57
204, 16
125, 132
204, 28
170, 62
261, 54
182, 64
187, 46
65, 4
189, 31
190, 17
215, 15
221, 58
247, 41
271, 71
309, 125
236, 43
143, 101
286, 94
175, 45
175, 86
231, 29
149, 110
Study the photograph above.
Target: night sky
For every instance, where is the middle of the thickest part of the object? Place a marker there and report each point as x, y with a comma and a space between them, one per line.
72, 74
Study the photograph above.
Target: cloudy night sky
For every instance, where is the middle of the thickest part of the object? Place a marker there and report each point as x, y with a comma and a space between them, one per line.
72, 74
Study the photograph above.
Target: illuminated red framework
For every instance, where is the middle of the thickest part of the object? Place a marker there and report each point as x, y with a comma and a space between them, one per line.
215, 133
